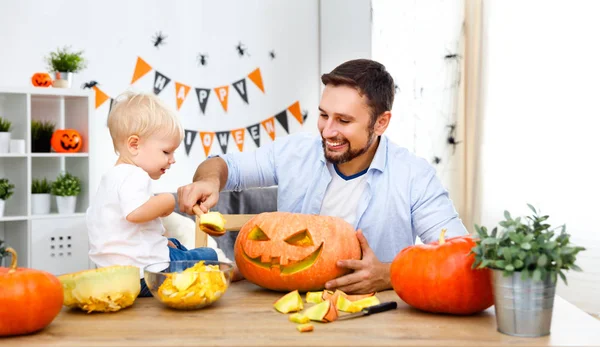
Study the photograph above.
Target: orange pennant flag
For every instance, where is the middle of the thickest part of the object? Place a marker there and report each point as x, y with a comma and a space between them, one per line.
238, 137
223, 95
141, 68
181, 92
101, 97
255, 77
269, 125
295, 110
207, 141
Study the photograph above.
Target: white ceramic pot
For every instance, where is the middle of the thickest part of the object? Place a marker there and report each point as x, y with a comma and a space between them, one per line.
2, 203
66, 204
40, 203
4, 142
62, 79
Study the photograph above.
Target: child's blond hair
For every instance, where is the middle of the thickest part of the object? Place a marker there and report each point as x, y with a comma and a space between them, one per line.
141, 114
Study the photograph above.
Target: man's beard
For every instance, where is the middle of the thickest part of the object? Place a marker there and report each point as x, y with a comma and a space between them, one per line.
350, 153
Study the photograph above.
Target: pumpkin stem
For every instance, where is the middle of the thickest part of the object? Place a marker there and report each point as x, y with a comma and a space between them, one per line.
13, 263
442, 235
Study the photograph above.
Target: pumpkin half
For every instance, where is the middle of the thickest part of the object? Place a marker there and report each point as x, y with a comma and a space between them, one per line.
437, 277
290, 251
66, 140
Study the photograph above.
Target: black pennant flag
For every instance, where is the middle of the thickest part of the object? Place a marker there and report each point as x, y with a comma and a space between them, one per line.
223, 138
240, 86
304, 116
188, 140
112, 101
282, 119
254, 131
160, 82
203, 95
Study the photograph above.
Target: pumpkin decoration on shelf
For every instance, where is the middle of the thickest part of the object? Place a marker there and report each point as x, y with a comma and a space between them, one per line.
29, 299
439, 278
66, 141
285, 251
41, 79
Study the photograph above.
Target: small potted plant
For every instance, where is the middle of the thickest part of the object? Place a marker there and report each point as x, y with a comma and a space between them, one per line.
6, 191
41, 134
5, 126
40, 196
64, 63
66, 187
526, 257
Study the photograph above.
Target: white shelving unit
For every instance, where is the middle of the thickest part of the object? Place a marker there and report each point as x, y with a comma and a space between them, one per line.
57, 243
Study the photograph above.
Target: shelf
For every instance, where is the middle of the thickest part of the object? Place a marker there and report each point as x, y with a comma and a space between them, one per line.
35, 91
58, 155
12, 218
13, 155
57, 215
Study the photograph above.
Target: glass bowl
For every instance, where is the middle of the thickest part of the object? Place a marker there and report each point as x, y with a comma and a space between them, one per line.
188, 284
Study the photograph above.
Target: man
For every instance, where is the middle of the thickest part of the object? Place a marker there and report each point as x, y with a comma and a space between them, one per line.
350, 171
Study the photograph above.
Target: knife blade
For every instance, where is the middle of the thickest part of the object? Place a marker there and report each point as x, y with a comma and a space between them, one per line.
386, 306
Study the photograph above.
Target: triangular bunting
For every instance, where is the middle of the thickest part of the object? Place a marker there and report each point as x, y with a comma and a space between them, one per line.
240, 87
255, 77
188, 140
112, 101
141, 68
295, 111
101, 97
181, 92
254, 131
282, 119
203, 95
269, 125
207, 141
160, 82
238, 138
304, 116
223, 95
223, 139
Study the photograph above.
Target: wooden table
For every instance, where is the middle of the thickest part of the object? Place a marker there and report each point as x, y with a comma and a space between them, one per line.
245, 317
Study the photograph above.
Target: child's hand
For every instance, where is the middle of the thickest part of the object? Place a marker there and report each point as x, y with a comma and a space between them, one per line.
171, 244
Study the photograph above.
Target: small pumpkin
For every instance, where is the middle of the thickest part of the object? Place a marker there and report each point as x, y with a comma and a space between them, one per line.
437, 277
285, 251
41, 79
29, 299
66, 140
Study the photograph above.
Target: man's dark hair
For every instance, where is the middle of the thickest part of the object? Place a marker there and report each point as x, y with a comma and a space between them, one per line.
370, 78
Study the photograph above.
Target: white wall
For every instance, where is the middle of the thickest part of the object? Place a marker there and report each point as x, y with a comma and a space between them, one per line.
30, 29
541, 88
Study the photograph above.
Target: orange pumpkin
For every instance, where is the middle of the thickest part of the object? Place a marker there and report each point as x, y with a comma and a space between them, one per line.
287, 251
438, 277
66, 140
29, 299
41, 79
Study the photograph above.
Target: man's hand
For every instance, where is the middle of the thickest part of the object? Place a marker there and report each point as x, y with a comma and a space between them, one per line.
370, 275
203, 193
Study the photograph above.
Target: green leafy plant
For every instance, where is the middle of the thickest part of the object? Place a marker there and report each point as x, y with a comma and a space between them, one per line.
63, 60
66, 185
530, 247
6, 189
41, 186
42, 129
5, 125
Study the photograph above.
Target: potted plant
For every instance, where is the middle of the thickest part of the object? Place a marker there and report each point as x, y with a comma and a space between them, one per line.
526, 257
5, 126
6, 191
40, 196
64, 63
41, 134
66, 188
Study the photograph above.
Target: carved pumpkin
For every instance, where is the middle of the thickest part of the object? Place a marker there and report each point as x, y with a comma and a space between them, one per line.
66, 140
29, 299
289, 251
438, 277
41, 79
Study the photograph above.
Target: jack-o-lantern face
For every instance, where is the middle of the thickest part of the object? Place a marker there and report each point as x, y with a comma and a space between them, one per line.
288, 251
66, 140
41, 79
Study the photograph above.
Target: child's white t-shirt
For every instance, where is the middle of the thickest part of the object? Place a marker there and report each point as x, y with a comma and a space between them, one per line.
114, 240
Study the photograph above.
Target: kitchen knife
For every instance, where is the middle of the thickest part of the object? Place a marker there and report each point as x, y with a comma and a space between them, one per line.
386, 306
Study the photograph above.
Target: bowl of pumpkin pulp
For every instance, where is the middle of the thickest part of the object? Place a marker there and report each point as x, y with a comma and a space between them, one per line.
188, 284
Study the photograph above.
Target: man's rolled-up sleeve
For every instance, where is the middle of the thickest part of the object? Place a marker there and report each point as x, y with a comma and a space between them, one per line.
251, 169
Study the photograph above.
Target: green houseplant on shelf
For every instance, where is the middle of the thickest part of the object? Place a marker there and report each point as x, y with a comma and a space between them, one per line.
5, 126
64, 63
41, 133
66, 188
41, 196
6, 191
526, 257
